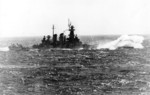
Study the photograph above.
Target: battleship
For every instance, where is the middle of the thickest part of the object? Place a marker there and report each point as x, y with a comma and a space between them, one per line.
72, 41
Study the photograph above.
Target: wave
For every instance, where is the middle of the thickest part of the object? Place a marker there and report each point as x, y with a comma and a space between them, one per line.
4, 49
134, 41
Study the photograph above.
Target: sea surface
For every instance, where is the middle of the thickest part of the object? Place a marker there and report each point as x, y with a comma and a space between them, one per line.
123, 71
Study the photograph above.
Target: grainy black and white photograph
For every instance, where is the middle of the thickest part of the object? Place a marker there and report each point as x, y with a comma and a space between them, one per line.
74, 47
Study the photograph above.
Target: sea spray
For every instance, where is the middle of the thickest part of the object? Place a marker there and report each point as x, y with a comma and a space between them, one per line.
4, 49
133, 41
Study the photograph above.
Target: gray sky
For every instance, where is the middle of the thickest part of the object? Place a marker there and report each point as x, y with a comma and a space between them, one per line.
90, 17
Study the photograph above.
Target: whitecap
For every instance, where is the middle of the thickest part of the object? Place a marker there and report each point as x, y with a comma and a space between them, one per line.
124, 41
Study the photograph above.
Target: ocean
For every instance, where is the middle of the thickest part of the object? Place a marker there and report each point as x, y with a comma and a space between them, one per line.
124, 71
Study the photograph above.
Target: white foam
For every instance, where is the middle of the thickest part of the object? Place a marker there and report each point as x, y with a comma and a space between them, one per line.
124, 40
4, 49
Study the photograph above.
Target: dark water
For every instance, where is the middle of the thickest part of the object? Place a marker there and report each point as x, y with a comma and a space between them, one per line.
76, 72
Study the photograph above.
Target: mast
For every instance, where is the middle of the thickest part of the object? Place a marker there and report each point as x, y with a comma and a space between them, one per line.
71, 29
53, 27
69, 23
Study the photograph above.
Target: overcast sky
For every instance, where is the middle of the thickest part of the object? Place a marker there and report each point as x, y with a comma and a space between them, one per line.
90, 17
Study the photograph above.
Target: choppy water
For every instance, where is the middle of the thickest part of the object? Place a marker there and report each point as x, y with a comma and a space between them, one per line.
76, 72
